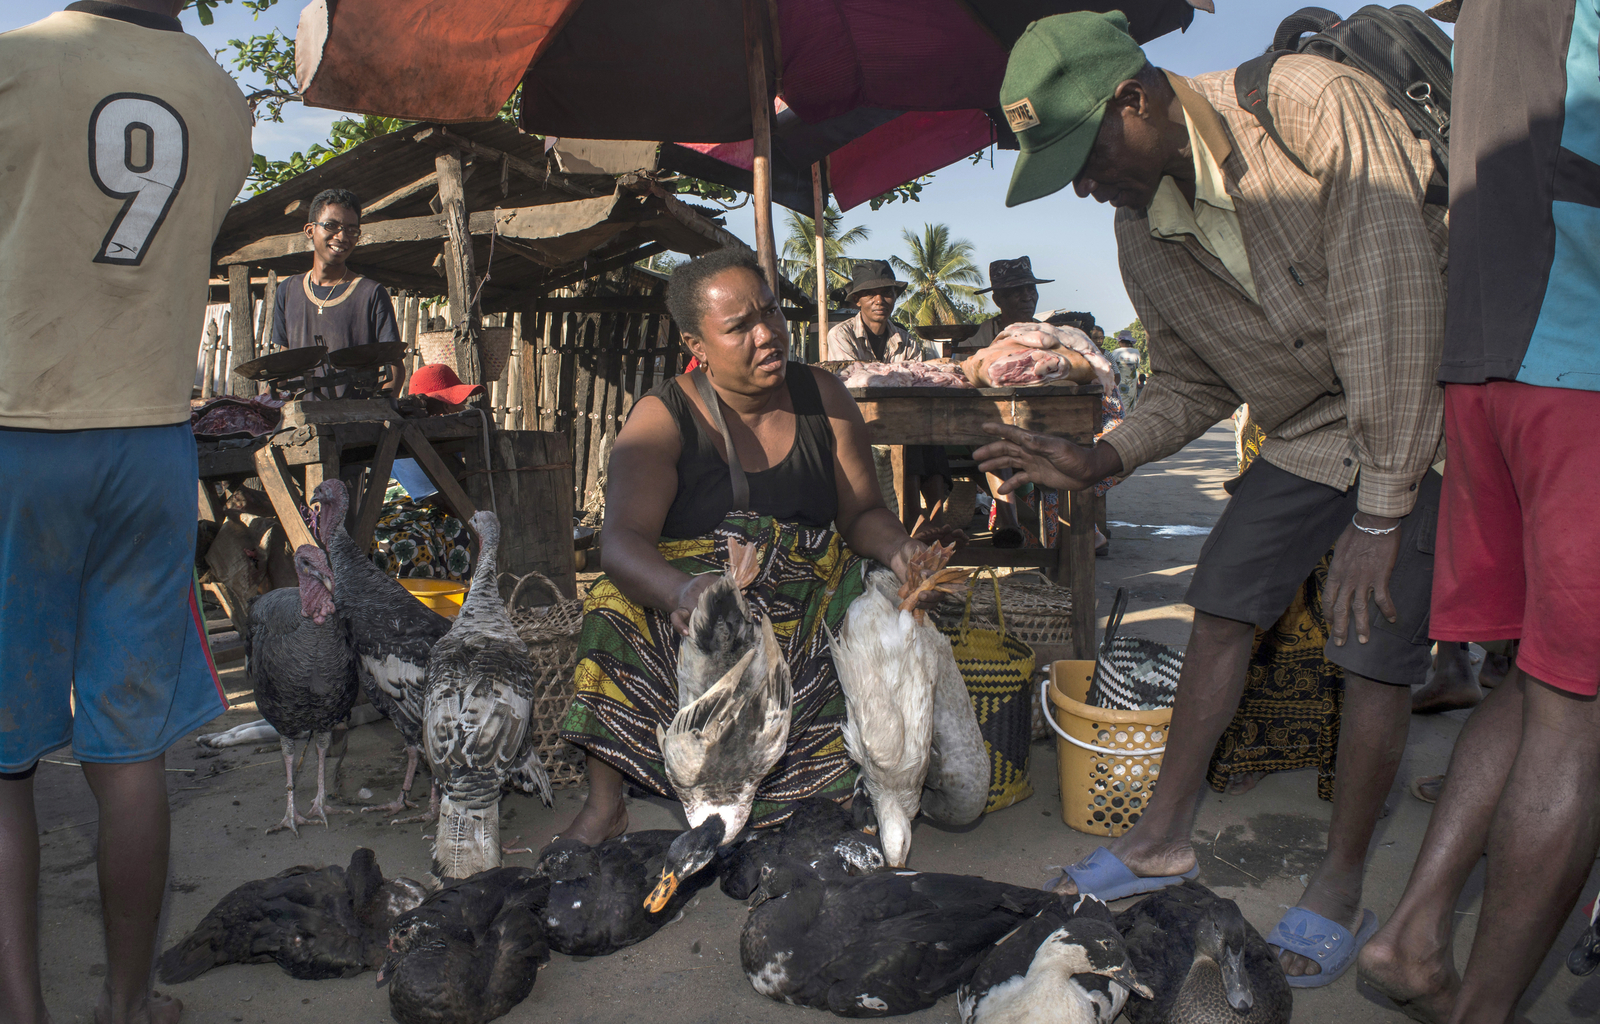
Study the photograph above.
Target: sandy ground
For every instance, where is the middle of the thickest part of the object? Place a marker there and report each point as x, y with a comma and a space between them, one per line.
1254, 848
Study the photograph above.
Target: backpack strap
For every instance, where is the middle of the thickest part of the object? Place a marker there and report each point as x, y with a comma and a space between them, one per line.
1305, 21
1250, 89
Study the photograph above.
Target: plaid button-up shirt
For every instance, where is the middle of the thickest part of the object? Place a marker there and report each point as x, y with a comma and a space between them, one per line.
1338, 359
849, 340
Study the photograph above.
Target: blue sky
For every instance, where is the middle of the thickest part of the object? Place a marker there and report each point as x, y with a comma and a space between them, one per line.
1069, 239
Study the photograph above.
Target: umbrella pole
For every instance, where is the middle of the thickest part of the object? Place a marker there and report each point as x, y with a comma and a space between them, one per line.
761, 123
819, 228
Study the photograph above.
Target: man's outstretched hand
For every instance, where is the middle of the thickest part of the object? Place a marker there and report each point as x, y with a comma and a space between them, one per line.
1045, 460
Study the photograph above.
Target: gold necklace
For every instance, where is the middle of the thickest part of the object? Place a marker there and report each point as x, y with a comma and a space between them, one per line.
322, 304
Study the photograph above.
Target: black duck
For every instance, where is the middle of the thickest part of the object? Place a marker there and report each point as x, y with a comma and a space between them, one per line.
1202, 960
315, 923
881, 944
820, 836
597, 893
470, 952
1064, 965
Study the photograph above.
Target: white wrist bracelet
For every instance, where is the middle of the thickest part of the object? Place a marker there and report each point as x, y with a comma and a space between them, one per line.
1373, 532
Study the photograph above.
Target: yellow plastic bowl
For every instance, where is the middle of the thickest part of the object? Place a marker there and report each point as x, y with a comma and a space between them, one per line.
443, 596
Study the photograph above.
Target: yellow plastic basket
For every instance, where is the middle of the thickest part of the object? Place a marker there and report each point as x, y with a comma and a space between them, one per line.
1108, 760
443, 596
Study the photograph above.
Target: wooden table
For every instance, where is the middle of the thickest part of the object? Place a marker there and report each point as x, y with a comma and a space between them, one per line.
955, 416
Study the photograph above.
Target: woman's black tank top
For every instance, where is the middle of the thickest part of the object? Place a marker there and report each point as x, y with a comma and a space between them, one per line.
800, 489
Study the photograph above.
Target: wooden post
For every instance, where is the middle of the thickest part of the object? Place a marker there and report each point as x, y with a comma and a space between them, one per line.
1075, 569
460, 274
819, 227
755, 58
208, 360
243, 327
269, 300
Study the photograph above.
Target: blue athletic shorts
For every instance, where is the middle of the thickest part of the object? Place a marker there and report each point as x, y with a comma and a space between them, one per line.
102, 644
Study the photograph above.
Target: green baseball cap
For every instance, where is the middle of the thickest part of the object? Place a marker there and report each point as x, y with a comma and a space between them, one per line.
1059, 78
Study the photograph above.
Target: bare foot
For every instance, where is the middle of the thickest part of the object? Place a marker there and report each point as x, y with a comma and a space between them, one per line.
1147, 860
1336, 897
156, 1009
1449, 686
595, 824
1242, 783
1420, 976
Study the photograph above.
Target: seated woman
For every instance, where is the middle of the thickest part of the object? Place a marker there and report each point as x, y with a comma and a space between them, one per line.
815, 511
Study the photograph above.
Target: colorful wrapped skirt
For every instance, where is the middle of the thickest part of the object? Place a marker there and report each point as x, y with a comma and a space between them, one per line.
626, 677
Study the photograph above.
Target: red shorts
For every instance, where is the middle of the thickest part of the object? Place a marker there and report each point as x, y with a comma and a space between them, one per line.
1519, 541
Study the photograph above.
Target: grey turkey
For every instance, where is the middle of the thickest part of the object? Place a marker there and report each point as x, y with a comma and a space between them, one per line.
391, 632
302, 669
480, 691
470, 952
315, 923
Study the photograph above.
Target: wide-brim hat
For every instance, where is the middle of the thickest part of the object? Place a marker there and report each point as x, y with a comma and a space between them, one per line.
866, 276
436, 380
1059, 79
1012, 274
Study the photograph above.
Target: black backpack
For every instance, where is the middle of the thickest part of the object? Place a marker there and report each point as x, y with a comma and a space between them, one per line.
1400, 47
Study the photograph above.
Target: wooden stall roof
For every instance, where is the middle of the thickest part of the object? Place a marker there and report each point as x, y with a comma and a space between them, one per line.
549, 228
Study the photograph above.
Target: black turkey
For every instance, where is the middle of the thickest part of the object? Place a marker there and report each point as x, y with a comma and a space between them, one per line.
470, 952
315, 923
597, 893
480, 691
878, 945
302, 669
391, 632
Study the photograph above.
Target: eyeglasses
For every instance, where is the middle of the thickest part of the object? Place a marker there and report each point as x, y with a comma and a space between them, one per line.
334, 227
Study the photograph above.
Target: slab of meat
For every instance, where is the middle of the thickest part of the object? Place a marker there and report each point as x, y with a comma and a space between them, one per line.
940, 374
1036, 353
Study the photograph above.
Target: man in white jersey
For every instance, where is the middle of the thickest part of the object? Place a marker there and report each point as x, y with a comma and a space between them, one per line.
122, 145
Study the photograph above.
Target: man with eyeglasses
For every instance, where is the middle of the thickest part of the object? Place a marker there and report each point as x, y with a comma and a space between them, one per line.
331, 304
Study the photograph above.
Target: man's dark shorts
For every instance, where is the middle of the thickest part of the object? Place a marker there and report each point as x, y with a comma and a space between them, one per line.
1273, 533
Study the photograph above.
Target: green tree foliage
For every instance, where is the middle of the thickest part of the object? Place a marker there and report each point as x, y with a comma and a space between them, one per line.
799, 262
941, 275
910, 192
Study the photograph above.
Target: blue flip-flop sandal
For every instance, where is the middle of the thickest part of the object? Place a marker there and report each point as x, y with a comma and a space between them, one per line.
1328, 943
1102, 874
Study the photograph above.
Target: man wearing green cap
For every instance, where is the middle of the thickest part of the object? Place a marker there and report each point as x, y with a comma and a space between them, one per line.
1306, 279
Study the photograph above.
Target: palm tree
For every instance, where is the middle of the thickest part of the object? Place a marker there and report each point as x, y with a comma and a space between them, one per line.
800, 249
941, 275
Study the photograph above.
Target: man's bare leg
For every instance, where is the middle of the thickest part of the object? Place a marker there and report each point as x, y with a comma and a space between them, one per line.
604, 813
135, 833
21, 996
1410, 959
1542, 843
1372, 739
1209, 688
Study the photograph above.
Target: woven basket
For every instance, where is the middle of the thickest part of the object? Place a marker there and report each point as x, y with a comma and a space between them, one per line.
1037, 611
551, 633
495, 343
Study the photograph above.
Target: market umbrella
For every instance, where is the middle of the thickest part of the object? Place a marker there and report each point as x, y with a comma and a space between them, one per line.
691, 71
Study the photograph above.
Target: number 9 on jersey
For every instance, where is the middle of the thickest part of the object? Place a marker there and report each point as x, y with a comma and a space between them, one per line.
138, 152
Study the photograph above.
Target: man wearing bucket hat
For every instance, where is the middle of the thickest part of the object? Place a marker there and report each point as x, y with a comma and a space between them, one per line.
871, 337
1015, 295
1306, 279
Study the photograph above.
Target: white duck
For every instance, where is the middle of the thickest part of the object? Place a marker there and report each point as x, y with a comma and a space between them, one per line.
480, 689
717, 751
889, 659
